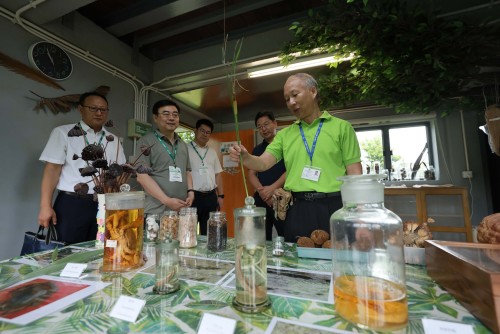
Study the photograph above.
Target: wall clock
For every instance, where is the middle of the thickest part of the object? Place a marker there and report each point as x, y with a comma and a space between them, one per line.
51, 60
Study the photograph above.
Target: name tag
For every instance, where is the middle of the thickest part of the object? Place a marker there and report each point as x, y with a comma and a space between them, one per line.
203, 170
127, 308
311, 173
175, 174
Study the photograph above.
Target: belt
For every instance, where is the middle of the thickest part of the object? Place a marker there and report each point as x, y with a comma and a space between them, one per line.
205, 193
86, 196
311, 196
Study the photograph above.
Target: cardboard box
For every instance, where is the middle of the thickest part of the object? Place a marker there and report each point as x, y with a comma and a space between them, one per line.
471, 273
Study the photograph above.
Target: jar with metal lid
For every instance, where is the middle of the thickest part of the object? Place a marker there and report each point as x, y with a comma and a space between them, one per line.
251, 258
188, 224
167, 266
169, 225
217, 231
368, 263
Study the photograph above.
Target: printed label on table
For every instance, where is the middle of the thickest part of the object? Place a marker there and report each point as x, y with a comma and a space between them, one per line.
111, 243
214, 324
73, 270
127, 308
432, 326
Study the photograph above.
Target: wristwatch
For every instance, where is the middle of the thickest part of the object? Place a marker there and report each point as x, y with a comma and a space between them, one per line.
221, 196
190, 190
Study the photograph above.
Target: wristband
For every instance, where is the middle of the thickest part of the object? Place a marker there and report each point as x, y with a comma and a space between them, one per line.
190, 190
221, 196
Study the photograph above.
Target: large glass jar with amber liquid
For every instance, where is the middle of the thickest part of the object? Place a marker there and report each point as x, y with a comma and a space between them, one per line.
368, 263
124, 231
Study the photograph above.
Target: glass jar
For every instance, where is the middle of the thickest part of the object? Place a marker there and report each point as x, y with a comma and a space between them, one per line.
101, 217
167, 266
169, 225
124, 231
251, 258
278, 246
188, 224
217, 231
151, 227
368, 264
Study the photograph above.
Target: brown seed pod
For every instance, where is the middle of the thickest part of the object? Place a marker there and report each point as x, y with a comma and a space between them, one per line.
319, 237
305, 242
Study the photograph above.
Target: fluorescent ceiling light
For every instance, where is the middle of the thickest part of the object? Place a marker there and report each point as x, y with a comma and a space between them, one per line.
298, 65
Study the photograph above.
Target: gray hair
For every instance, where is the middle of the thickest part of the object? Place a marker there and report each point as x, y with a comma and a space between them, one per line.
309, 82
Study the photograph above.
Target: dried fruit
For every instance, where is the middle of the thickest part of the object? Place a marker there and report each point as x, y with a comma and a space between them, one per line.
92, 152
305, 242
319, 237
415, 234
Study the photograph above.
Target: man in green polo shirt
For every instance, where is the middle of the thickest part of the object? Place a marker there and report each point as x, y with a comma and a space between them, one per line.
317, 148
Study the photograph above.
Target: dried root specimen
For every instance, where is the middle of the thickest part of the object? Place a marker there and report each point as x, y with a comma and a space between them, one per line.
415, 234
488, 230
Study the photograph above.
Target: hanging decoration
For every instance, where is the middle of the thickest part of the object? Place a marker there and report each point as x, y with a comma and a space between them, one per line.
63, 103
20, 68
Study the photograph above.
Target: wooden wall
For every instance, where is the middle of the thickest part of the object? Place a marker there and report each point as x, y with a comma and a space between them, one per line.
234, 189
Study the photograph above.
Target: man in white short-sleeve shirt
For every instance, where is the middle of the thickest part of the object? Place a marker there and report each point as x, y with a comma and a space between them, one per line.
74, 215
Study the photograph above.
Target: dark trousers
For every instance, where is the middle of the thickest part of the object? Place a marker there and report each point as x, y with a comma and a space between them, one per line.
270, 219
204, 204
76, 218
305, 216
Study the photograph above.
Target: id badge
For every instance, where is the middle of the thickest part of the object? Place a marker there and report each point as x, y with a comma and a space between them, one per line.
311, 173
203, 170
175, 174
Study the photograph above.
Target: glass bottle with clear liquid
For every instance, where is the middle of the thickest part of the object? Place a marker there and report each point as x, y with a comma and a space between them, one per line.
368, 263
251, 258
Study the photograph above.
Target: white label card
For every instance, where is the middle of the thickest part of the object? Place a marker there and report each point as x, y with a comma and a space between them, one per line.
111, 243
73, 270
204, 170
127, 308
214, 324
175, 174
432, 326
311, 173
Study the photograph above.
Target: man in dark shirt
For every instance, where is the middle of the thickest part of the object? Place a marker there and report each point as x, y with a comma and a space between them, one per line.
266, 182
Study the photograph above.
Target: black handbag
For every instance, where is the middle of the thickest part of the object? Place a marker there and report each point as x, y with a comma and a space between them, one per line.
37, 242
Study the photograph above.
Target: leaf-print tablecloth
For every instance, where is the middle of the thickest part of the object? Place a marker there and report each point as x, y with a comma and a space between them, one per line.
298, 289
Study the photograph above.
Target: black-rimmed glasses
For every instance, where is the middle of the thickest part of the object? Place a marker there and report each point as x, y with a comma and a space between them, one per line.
95, 109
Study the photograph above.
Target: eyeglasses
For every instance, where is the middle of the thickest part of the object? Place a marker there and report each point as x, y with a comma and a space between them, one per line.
206, 132
174, 114
264, 125
95, 109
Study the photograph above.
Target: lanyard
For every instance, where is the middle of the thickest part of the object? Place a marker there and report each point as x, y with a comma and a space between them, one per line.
168, 151
85, 137
310, 152
202, 162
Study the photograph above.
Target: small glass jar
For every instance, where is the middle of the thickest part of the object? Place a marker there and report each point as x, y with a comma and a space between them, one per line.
217, 231
251, 258
188, 224
167, 266
278, 246
369, 284
151, 227
169, 225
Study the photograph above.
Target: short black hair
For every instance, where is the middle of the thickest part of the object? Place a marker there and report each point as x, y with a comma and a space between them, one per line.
84, 96
164, 103
265, 113
206, 122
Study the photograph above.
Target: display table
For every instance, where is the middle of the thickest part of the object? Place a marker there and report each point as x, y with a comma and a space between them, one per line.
299, 289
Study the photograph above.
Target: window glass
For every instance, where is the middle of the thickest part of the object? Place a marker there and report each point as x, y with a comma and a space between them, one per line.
410, 154
372, 158
400, 151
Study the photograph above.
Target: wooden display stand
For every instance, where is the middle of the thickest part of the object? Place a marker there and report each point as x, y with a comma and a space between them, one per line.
448, 206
